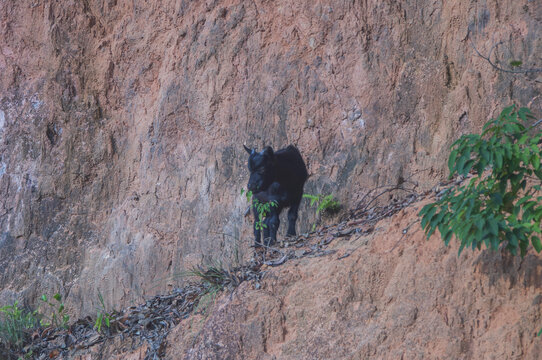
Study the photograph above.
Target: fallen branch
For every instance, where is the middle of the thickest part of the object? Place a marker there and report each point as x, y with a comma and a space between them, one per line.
405, 231
278, 262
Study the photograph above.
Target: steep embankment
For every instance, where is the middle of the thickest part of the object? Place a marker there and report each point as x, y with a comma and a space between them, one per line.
395, 296
365, 291
121, 122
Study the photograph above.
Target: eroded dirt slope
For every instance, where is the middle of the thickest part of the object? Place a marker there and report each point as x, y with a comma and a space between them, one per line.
396, 296
121, 122
356, 290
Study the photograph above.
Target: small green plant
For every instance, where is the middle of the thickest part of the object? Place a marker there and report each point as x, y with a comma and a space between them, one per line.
263, 209
214, 278
248, 195
324, 203
27, 355
497, 205
15, 325
103, 316
58, 316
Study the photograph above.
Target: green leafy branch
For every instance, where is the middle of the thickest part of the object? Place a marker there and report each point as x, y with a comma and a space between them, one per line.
262, 208
497, 205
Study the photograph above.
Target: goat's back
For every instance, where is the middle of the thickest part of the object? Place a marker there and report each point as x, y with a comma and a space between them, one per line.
291, 169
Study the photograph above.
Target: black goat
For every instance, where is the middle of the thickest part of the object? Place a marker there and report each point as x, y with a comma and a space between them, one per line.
276, 176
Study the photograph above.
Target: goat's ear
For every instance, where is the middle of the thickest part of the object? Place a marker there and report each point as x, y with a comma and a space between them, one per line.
268, 151
248, 150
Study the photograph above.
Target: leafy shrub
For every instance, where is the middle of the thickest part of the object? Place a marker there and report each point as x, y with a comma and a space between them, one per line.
324, 203
58, 316
214, 277
498, 205
15, 325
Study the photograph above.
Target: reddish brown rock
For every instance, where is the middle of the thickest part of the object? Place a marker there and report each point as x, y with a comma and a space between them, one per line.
116, 349
394, 297
121, 124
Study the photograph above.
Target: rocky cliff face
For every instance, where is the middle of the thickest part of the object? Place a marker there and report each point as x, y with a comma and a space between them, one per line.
121, 122
396, 296
379, 292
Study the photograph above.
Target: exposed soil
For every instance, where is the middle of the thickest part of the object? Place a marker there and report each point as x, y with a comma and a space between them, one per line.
368, 287
122, 122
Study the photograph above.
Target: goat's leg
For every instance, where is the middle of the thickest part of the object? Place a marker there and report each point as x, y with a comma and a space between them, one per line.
292, 217
265, 224
257, 232
273, 224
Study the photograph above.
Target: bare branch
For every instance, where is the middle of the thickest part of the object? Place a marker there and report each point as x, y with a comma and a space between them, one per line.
536, 123
488, 59
405, 231
398, 187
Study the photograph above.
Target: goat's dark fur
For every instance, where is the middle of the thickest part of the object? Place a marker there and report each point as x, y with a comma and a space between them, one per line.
276, 176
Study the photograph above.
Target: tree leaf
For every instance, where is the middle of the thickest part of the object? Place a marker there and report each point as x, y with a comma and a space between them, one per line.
428, 216
460, 249
498, 160
447, 236
535, 240
496, 198
425, 209
461, 164
451, 161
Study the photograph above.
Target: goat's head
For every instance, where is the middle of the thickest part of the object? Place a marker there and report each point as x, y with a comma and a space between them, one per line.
262, 168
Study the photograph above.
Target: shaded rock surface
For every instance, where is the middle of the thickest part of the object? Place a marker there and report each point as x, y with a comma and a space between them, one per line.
121, 125
396, 296
382, 292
